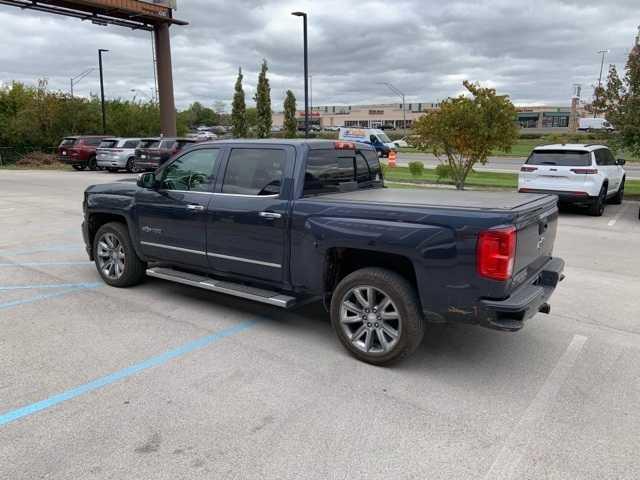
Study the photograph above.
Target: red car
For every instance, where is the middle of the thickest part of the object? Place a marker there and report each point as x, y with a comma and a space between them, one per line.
80, 151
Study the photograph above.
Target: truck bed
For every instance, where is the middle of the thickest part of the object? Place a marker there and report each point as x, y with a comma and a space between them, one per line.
443, 198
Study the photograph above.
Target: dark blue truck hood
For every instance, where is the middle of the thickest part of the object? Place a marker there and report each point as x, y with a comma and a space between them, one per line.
125, 187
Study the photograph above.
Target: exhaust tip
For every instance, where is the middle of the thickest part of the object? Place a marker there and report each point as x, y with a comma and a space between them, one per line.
545, 308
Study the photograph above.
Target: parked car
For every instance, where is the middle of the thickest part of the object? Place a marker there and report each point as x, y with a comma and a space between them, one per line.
402, 143
80, 151
576, 173
594, 124
117, 153
154, 152
373, 136
284, 222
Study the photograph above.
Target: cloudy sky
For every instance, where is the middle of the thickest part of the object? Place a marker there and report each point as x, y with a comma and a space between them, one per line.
532, 50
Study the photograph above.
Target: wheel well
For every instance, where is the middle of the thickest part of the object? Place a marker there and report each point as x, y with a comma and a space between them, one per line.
340, 262
96, 220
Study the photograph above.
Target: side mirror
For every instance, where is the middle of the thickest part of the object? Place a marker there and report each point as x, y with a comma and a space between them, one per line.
621, 161
146, 180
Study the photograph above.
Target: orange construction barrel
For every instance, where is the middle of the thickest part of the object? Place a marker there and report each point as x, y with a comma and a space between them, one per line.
392, 158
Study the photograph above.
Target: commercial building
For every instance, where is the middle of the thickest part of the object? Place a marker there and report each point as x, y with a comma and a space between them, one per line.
390, 115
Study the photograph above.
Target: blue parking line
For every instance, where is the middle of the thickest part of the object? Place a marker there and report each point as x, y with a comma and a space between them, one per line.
46, 248
44, 264
37, 298
27, 410
49, 285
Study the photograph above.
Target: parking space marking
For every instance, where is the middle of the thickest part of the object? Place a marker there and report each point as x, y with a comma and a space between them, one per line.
189, 347
47, 248
515, 446
37, 298
44, 264
613, 221
50, 285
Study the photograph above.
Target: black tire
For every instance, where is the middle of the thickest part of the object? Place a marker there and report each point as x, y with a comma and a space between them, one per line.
597, 205
134, 268
78, 166
92, 164
131, 165
619, 196
410, 322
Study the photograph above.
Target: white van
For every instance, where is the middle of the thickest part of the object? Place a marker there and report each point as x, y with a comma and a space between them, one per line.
590, 124
373, 136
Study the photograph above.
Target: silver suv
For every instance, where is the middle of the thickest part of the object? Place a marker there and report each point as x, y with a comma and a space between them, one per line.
115, 154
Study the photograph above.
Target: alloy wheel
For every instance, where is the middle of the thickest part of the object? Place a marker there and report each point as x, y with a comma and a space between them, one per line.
111, 256
370, 320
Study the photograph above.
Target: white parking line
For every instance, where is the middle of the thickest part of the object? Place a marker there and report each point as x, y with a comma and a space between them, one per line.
613, 221
515, 446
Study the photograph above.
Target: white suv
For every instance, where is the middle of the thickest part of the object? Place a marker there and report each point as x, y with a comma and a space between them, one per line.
577, 173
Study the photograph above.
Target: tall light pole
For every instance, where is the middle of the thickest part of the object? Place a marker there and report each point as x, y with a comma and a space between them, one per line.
104, 113
603, 53
306, 71
404, 115
75, 80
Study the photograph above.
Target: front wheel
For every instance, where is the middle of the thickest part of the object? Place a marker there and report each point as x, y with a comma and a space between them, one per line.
78, 166
376, 315
93, 166
131, 166
115, 257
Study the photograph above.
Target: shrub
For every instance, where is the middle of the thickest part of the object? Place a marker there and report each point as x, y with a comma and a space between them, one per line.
530, 136
37, 159
416, 168
443, 171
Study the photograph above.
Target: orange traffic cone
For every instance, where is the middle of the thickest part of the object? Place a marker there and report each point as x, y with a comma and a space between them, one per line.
392, 159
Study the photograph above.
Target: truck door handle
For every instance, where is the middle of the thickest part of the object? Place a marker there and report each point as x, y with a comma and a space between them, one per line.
195, 206
270, 215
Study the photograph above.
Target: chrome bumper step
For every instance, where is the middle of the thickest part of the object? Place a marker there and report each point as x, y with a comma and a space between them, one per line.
221, 286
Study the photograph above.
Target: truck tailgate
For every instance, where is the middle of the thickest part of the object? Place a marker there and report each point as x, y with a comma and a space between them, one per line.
536, 224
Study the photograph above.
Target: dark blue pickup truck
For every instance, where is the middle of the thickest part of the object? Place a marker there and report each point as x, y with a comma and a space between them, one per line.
285, 222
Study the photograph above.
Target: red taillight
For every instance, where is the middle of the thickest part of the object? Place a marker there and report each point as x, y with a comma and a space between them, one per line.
585, 171
528, 169
496, 253
344, 145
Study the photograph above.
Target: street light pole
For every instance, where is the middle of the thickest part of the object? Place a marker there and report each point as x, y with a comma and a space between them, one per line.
306, 71
603, 53
401, 95
104, 113
75, 80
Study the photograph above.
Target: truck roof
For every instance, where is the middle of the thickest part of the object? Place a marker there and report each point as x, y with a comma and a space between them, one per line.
587, 147
312, 143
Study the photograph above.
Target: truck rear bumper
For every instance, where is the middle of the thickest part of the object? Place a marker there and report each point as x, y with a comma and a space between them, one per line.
510, 314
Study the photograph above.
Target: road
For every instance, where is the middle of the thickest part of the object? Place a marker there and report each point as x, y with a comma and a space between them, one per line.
164, 381
496, 164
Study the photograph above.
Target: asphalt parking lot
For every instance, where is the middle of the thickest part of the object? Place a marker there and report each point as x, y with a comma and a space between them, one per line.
164, 381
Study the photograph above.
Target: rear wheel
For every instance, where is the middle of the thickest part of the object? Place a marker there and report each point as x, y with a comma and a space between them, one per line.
131, 166
78, 166
115, 257
597, 207
619, 196
91, 163
376, 315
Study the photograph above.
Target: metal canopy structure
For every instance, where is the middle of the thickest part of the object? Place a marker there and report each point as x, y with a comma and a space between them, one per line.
150, 15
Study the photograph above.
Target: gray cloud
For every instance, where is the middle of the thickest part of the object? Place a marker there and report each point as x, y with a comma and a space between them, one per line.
533, 52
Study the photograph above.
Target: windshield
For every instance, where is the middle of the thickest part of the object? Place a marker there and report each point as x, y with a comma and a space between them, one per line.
383, 138
560, 158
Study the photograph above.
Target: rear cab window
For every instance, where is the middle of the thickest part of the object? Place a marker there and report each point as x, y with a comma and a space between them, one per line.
560, 158
333, 171
254, 171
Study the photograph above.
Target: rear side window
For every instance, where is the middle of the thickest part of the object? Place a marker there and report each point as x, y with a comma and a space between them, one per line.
130, 144
68, 142
254, 171
604, 157
327, 171
560, 158
108, 143
92, 142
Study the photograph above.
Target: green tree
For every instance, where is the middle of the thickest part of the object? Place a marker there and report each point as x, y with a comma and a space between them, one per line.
290, 122
263, 103
620, 102
199, 115
467, 128
238, 110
